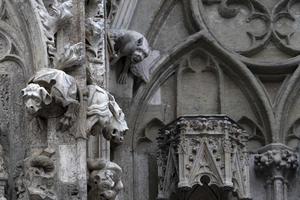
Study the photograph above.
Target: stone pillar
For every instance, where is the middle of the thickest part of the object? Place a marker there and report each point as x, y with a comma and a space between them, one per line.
276, 162
71, 148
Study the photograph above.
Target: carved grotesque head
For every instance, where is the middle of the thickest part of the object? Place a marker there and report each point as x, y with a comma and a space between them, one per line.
34, 97
104, 180
131, 44
117, 126
141, 51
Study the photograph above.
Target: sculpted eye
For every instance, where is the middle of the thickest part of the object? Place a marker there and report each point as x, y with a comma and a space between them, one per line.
36, 99
140, 42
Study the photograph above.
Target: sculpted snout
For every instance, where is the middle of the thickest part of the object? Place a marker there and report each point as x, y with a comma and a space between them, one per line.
32, 106
34, 95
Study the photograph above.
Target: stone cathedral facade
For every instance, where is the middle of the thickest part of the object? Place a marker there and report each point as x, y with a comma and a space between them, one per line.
149, 99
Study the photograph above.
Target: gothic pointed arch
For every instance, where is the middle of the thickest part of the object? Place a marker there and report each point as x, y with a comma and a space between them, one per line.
169, 63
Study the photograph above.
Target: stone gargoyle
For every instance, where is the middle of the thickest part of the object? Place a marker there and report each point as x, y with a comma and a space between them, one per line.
134, 48
104, 115
52, 93
104, 181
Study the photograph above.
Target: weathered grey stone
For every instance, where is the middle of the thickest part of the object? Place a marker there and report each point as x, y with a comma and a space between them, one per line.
195, 57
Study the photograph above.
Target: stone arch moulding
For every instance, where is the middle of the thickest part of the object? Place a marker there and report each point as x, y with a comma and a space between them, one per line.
31, 33
236, 70
121, 12
22, 51
288, 97
246, 17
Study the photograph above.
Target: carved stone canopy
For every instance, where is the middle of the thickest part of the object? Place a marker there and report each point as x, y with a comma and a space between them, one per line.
203, 150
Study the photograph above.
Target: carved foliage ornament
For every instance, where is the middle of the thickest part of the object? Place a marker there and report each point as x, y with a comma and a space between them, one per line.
278, 163
53, 17
284, 160
203, 147
95, 42
259, 24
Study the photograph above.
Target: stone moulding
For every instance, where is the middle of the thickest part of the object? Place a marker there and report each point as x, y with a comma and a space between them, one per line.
194, 148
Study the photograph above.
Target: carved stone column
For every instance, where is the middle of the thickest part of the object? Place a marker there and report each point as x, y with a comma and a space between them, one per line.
277, 163
203, 150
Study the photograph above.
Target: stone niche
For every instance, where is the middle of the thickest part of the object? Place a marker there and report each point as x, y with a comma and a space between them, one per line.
203, 157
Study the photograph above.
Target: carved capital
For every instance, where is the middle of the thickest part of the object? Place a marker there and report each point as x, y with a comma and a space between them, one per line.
276, 159
276, 162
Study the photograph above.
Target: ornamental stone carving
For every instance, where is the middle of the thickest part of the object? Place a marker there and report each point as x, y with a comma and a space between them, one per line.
52, 93
104, 180
36, 179
95, 42
277, 163
104, 115
72, 56
133, 47
53, 17
197, 150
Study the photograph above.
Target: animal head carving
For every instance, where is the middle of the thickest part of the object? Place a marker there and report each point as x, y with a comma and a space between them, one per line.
142, 51
34, 97
131, 44
104, 111
104, 180
118, 125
